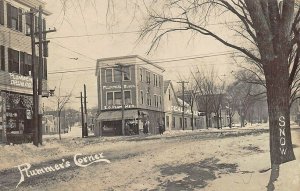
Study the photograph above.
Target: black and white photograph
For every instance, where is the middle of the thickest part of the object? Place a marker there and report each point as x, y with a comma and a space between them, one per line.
150, 95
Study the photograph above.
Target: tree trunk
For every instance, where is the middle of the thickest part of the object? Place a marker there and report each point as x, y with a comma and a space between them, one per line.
278, 96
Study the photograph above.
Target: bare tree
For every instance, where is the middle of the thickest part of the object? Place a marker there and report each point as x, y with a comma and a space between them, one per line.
270, 33
61, 103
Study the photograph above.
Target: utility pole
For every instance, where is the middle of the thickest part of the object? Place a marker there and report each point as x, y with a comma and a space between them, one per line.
182, 85
85, 113
121, 69
82, 117
34, 81
37, 73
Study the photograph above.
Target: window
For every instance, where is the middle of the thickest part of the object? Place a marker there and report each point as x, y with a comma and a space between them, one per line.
142, 97
149, 99
173, 122
169, 94
22, 62
155, 80
117, 75
118, 98
180, 122
109, 98
27, 65
160, 101
13, 61
1, 12
167, 121
28, 24
127, 95
108, 75
14, 18
185, 122
159, 81
126, 74
155, 101
141, 74
2, 58
148, 80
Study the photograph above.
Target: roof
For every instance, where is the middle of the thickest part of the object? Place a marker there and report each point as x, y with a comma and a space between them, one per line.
126, 57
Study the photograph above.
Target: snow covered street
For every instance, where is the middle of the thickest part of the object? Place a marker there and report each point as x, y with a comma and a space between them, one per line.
227, 159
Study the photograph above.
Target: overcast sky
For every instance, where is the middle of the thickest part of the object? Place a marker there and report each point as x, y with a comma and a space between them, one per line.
83, 36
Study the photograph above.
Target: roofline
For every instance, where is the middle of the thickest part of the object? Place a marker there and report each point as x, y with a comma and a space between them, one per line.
35, 4
130, 56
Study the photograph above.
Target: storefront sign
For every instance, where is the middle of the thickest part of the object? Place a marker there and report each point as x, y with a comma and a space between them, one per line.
186, 111
118, 87
118, 106
20, 81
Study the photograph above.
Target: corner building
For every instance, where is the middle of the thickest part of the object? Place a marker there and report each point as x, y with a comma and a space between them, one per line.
143, 95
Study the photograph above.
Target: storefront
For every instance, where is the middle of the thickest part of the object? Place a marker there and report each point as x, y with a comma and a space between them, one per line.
16, 121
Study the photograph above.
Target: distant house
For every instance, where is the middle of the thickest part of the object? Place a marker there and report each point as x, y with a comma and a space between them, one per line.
173, 108
49, 125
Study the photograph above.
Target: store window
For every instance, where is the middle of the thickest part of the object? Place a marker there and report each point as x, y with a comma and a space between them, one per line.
108, 75
127, 95
118, 98
13, 61
109, 98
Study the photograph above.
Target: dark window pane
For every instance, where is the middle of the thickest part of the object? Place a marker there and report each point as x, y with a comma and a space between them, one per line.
108, 75
118, 98
2, 58
109, 100
117, 75
127, 95
127, 73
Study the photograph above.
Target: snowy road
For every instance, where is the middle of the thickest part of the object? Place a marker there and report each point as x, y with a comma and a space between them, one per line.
189, 161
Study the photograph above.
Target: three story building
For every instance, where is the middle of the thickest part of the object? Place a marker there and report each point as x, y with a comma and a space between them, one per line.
142, 90
15, 67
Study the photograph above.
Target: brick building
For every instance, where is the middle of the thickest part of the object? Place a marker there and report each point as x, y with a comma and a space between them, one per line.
143, 95
15, 67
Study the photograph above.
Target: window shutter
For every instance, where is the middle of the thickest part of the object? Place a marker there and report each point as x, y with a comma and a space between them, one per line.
1, 12
20, 20
2, 57
8, 15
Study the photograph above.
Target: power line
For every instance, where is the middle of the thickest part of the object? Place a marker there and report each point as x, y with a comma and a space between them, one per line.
161, 61
125, 32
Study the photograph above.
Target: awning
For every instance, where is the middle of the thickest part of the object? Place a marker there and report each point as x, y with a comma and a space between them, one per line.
117, 115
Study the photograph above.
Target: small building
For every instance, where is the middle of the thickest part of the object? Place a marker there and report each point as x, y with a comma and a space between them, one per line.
142, 83
173, 108
16, 100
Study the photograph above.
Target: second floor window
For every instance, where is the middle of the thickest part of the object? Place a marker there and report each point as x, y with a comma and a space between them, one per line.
118, 98
28, 24
13, 61
127, 97
110, 98
148, 99
117, 75
142, 97
108, 75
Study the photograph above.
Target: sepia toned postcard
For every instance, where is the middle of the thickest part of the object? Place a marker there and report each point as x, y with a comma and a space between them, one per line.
146, 95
